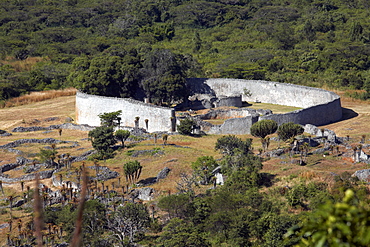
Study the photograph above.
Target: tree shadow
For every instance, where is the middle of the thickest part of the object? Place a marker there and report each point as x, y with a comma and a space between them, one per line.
348, 113
266, 179
198, 85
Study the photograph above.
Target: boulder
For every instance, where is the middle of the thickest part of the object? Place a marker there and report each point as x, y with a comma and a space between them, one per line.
163, 173
312, 142
146, 182
275, 153
321, 150
145, 194
361, 156
363, 175
313, 130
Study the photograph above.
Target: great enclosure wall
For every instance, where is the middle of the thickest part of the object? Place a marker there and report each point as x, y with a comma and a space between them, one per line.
319, 106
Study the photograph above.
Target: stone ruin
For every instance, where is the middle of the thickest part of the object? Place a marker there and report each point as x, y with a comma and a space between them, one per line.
319, 106
207, 101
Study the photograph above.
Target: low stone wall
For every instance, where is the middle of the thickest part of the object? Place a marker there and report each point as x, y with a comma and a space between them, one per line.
54, 127
88, 107
229, 101
234, 126
232, 113
28, 177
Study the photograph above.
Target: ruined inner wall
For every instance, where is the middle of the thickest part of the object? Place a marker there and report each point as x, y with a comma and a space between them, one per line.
320, 106
88, 107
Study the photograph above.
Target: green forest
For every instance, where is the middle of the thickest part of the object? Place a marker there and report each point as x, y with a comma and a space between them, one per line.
99, 46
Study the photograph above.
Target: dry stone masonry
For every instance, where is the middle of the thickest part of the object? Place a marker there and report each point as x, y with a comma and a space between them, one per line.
319, 106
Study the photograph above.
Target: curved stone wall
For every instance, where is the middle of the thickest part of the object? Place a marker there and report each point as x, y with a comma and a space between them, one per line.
88, 107
320, 106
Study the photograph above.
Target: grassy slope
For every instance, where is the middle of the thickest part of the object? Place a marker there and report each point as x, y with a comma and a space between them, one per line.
178, 159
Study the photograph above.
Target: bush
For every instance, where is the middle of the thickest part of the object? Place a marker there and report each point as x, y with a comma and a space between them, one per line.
289, 130
186, 126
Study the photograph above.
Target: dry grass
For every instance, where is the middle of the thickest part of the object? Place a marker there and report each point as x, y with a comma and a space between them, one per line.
39, 96
23, 65
178, 159
276, 109
25, 115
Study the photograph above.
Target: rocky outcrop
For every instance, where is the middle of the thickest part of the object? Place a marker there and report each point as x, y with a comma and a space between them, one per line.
105, 173
274, 153
326, 133
163, 173
72, 126
28, 177
363, 175
24, 141
145, 194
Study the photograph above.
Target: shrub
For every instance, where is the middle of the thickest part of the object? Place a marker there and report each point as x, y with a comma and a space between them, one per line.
186, 126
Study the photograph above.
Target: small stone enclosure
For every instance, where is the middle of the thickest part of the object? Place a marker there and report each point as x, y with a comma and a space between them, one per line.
319, 106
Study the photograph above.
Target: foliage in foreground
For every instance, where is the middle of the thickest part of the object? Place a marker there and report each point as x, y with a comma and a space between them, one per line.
345, 223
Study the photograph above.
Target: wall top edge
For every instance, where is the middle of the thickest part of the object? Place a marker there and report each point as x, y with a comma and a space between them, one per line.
133, 101
266, 82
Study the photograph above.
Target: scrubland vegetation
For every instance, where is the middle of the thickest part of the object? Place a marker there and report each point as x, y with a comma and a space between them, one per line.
264, 201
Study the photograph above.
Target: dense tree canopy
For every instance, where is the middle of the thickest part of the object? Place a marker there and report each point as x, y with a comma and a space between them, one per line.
106, 48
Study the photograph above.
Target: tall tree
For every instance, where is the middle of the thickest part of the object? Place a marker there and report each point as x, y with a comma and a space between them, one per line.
343, 223
230, 144
203, 168
110, 119
164, 76
106, 75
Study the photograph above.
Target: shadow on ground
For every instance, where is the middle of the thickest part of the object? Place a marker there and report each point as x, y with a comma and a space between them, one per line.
348, 113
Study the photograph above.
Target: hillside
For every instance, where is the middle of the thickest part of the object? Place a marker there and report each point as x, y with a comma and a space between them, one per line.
46, 44
178, 156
